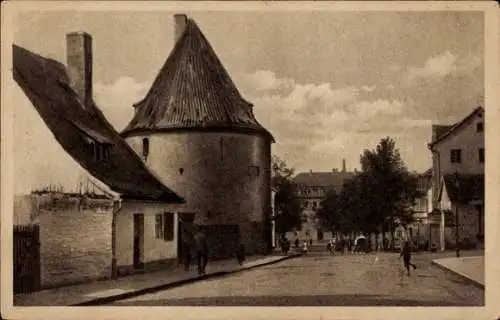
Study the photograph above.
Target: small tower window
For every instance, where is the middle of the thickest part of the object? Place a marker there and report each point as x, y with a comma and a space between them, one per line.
181, 171
480, 127
145, 148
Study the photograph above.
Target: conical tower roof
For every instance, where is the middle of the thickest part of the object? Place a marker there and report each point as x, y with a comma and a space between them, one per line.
193, 91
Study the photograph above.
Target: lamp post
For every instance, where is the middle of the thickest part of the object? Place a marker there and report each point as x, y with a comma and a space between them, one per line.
457, 241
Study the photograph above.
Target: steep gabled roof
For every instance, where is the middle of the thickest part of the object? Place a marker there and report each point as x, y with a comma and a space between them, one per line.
463, 188
193, 91
323, 179
45, 82
452, 129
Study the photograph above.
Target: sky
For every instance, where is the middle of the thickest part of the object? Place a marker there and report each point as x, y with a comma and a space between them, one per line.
327, 85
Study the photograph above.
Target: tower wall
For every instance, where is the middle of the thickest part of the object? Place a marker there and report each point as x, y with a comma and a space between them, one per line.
224, 177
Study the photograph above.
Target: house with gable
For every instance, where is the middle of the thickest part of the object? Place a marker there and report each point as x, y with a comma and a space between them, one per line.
144, 211
458, 155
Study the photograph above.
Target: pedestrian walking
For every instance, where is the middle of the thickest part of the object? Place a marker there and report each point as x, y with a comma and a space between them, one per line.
201, 250
406, 254
297, 243
344, 246
304, 247
287, 245
311, 242
333, 243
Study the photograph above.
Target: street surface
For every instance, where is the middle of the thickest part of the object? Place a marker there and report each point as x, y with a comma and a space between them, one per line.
322, 280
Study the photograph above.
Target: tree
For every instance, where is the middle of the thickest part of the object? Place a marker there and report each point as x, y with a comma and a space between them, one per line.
329, 212
287, 205
280, 172
392, 188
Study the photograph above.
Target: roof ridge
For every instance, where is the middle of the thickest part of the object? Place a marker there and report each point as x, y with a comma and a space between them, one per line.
455, 126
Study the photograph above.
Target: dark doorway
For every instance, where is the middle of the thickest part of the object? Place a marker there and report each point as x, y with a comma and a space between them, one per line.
185, 230
320, 234
138, 240
480, 222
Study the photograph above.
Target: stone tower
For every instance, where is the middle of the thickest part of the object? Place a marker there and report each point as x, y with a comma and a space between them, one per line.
199, 135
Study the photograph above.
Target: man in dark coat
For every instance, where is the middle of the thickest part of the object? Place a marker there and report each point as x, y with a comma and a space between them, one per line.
201, 249
406, 254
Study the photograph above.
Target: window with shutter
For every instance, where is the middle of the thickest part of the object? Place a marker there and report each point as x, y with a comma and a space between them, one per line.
168, 223
159, 226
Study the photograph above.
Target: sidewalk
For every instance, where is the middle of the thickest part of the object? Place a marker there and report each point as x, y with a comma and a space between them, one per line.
470, 268
101, 292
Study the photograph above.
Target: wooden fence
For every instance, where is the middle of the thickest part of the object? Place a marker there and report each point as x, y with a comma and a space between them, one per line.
26, 258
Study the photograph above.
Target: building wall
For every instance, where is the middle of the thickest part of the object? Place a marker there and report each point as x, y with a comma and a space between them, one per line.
466, 139
225, 177
75, 238
468, 226
155, 251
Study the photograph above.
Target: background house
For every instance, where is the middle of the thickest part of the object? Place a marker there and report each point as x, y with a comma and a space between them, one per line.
312, 189
194, 129
458, 178
420, 229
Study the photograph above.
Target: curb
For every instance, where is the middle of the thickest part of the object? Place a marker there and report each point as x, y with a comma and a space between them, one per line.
127, 295
471, 281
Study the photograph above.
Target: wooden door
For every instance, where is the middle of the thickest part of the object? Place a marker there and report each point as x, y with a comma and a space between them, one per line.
138, 240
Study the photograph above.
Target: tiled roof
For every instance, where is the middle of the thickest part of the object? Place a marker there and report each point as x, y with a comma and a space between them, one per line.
444, 131
193, 91
438, 130
463, 188
45, 82
323, 179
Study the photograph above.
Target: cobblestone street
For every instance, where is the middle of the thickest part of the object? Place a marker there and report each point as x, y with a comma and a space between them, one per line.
323, 280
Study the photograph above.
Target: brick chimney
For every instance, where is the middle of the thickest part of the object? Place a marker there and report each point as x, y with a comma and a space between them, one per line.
79, 60
343, 165
180, 20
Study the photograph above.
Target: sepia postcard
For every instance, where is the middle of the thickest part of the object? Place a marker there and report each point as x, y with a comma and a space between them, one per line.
260, 160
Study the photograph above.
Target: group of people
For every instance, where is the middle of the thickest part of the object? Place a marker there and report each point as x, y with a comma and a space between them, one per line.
285, 245
347, 245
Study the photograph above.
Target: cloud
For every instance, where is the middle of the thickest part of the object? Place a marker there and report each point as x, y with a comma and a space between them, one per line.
319, 120
116, 99
370, 109
369, 88
437, 66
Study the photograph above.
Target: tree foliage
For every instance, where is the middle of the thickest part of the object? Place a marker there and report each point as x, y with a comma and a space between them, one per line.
287, 205
375, 199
